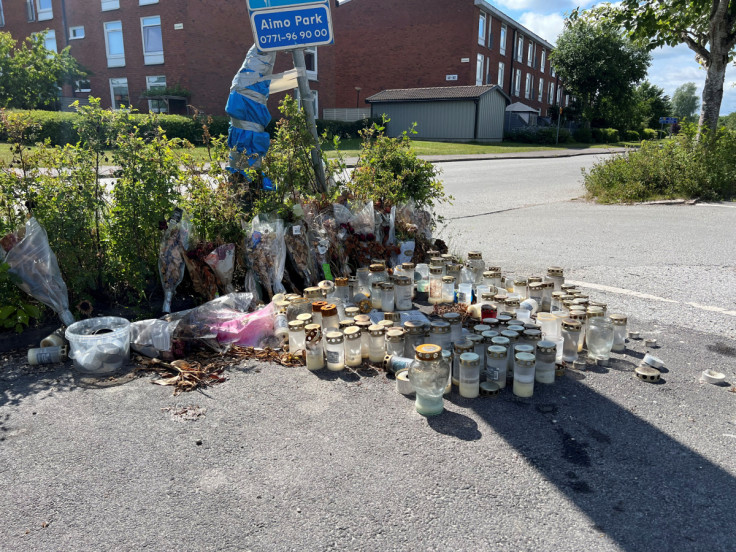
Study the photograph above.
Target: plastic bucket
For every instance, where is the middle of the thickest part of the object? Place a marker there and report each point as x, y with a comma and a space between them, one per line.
99, 345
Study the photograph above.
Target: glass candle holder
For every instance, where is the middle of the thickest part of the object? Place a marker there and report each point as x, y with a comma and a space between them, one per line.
335, 351
479, 346
599, 338
402, 293
580, 317
544, 371
619, 333
407, 270
365, 338
448, 289
548, 323
520, 288
458, 348
571, 335
330, 320
556, 275
532, 337
496, 364
439, 334
364, 281
469, 386
456, 325
315, 347
421, 277
536, 292
296, 336
524, 374
387, 297
454, 271
428, 375
342, 289
395, 342
306, 318
465, 294
547, 289
377, 342
317, 311
513, 338
353, 353
378, 273
476, 265
506, 344
435, 284
413, 337
376, 296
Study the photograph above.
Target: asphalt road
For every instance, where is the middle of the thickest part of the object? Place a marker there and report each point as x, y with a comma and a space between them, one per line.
284, 459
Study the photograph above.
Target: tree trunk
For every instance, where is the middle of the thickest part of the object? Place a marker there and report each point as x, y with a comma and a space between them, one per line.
713, 92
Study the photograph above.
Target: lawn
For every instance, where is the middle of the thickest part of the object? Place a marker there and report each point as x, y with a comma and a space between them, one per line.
350, 148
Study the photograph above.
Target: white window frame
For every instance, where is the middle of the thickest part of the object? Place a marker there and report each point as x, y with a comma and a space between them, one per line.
482, 29
520, 48
312, 75
567, 100
552, 71
541, 90
528, 86
551, 94
78, 86
543, 61
107, 5
114, 60
315, 101
30, 10
50, 38
489, 23
517, 82
2, 14
160, 103
559, 95
44, 14
487, 78
501, 71
146, 2
530, 54
502, 39
113, 103
156, 57
75, 34
480, 61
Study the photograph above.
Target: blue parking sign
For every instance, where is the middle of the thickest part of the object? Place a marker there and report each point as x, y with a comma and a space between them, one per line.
294, 27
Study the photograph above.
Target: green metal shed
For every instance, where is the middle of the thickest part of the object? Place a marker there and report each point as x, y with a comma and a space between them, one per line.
453, 113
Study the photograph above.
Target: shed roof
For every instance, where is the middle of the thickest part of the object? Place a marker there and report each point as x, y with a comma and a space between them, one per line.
440, 93
519, 107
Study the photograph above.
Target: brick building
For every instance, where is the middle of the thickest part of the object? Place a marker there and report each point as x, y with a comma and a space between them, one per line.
129, 46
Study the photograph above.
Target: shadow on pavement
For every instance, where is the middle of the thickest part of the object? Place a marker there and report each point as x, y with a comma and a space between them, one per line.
638, 485
455, 425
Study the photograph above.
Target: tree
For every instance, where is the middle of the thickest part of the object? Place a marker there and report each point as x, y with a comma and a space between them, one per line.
729, 121
32, 75
653, 103
685, 101
707, 27
596, 63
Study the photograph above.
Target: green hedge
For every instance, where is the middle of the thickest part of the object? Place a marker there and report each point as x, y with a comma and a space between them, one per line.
632, 136
539, 135
648, 134
583, 135
605, 135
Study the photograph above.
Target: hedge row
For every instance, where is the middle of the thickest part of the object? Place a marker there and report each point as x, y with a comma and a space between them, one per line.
58, 127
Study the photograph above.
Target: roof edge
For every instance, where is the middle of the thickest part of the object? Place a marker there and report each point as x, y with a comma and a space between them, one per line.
508, 19
491, 88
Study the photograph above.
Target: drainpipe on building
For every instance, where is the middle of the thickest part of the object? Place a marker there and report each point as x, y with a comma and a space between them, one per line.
64, 23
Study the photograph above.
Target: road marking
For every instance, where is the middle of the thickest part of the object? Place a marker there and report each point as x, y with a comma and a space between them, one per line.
622, 291
716, 205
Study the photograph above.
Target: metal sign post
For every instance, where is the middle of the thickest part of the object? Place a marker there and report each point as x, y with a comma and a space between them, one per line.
308, 106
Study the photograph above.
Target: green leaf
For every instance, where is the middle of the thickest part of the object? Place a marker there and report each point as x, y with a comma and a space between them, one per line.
6, 311
32, 310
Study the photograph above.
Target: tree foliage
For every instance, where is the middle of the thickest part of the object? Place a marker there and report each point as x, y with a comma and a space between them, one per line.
707, 27
32, 74
685, 102
597, 63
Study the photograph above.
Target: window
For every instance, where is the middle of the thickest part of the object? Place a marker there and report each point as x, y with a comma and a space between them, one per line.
2, 15
156, 106
517, 82
315, 101
76, 33
530, 54
108, 5
119, 93
146, 2
540, 96
30, 10
501, 67
479, 70
552, 69
50, 41
551, 94
490, 31
502, 40
520, 49
82, 86
153, 46
528, 86
567, 100
487, 79
482, 29
45, 10
114, 44
559, 93
310, 61
543, 61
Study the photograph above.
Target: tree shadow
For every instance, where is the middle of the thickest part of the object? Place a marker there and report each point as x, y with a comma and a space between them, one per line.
644, 489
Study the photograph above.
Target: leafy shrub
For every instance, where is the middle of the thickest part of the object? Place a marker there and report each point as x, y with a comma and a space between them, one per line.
345, 129
605, 135
681, 167
648, 134
539, 135
631, 136
583, 135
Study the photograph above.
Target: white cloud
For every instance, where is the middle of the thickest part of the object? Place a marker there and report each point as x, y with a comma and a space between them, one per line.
537, 5
546, 26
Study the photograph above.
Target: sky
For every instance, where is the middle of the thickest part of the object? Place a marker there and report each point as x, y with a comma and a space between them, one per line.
670, 67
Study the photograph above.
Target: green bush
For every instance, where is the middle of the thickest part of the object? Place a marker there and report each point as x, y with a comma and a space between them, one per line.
648, 134
539, 135
345, 129
605, 135
583, 135
631, 136
681, 167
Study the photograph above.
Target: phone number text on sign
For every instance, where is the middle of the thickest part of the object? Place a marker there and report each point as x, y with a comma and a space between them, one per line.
292, 28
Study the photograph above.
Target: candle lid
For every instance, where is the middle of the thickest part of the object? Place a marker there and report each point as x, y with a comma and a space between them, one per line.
486, 296
363, 324
566, 287
329, 310
469, 359
501, 340
387, 286
377, 267
334, 337
555, 271
525, 359
395, 335
439, 326
317, 306
313, 332
496, 351
361, 318
436, 270
452, 317
535, 280
491, 322
341, 282
474, 338
618, 319
352, 312
311, 292
533, 334
375, 330
296, 325
448, 279
510, 335
535, 286
304, 317
407, 266
393, 316
346, 323
413, 328
571, 324
489, 335
463, 346
523, 348
545, 346
436, 261
386, 324
428, 351
480, 328
402, 281
281, 306
495, 269
475, 255
489, 389
352, 332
